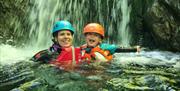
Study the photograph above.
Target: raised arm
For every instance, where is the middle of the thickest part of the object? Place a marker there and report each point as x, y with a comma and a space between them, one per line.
134, 49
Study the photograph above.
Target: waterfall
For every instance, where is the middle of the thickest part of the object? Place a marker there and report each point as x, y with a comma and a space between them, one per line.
116, 22
41, 16
161, 67
45, 13
41, 19
115, 19
118, 25
124, 28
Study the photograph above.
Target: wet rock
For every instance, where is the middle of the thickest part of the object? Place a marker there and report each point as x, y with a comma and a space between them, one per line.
75, 76
94, 78
155, 24
28, 85
146, 82
177, 65
162, 20
73, 86
114, 71
126, 73
13, 75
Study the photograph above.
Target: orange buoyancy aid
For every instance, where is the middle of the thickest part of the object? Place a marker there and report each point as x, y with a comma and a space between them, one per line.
68, 57
97, 53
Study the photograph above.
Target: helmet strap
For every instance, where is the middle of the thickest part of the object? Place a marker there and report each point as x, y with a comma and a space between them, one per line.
55, 39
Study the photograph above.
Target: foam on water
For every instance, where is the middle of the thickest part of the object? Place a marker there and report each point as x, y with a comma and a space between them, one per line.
150, 58
11, 54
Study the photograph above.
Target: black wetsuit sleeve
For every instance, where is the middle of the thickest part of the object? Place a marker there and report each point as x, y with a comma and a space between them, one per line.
125, 50
42, 56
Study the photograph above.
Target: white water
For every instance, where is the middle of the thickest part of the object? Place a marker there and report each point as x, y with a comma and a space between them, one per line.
119, 22
11, 54
41, 18
149, 58
45, 13
124, 34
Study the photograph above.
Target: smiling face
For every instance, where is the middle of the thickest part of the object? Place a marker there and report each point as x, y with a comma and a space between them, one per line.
92, 39
64, 38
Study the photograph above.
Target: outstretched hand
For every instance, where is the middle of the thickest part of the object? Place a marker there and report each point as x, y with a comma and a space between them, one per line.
138, 49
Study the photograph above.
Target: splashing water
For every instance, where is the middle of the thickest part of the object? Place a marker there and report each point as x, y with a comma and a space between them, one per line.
79, 13
43, 14
118, 23
11, 54
161, 58
41, 17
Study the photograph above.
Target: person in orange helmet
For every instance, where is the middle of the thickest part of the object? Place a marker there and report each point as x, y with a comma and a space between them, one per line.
94, 49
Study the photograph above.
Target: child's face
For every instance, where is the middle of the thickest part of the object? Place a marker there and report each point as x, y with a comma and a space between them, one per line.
64, 38
92, 39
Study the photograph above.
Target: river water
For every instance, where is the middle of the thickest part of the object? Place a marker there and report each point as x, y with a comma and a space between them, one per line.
127, 71
147, 70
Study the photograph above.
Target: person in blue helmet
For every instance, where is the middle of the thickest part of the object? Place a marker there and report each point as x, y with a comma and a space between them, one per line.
62, 53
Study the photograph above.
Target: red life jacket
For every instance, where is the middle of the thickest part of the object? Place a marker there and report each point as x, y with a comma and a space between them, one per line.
68, 57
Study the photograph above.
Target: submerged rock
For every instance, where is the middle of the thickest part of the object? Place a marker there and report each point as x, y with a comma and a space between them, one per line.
95, 78
73, 86
146, 82
111, 77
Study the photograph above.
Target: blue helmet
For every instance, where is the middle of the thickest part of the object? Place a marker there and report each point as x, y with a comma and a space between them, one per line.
63, 25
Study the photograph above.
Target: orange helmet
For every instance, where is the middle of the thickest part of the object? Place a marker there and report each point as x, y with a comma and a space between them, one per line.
95, 28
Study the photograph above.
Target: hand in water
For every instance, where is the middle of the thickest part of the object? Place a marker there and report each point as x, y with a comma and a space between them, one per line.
138, 49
